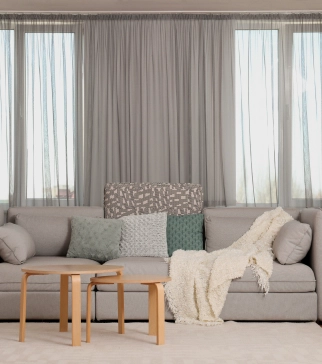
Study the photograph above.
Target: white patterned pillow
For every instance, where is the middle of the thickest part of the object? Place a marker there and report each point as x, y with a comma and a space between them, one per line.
144, 235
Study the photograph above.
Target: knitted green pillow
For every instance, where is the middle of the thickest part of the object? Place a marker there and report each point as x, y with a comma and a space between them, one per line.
95, 238
185, 232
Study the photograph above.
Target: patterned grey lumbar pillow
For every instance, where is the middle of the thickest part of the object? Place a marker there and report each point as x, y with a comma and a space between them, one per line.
144, 235
95, 238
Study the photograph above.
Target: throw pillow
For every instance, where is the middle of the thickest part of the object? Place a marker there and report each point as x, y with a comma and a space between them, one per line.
16, 244
185, 232
144, 235
292, 242
95, 238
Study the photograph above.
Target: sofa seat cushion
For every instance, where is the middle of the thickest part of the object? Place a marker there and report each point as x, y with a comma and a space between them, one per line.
285, 278
136, 265
10, 274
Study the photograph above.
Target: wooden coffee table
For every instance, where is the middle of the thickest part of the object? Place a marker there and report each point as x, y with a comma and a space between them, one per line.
156, 301
65, 271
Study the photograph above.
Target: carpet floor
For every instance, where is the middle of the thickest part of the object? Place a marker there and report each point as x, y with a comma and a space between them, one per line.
231, 342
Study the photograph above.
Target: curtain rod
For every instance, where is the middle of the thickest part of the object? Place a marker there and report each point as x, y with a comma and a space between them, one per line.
226, 12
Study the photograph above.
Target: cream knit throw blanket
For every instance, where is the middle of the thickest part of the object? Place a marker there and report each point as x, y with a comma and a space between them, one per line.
200, 280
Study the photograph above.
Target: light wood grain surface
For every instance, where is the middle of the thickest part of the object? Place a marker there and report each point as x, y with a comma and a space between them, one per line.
72, 269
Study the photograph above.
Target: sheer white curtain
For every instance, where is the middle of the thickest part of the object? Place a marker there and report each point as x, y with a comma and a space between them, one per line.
278, 110
40, 110
229, 101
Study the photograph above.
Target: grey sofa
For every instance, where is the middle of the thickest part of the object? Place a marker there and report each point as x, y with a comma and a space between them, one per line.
295, 290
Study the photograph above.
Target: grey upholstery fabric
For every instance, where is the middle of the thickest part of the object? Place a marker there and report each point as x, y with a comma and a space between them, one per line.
292, 242
51, 234
285, 278
224, 225
40, 305
221, 232
238, 306
294, 278
245, 212
49, 226
2, 217
122, 199
10, 275
92, 211
313, 217
136, 265
16, 244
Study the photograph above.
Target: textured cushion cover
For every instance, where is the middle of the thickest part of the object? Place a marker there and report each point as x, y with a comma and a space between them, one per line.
292, 242
96, 239
185, 232
221, 232
16, 245
144, 235
51, 234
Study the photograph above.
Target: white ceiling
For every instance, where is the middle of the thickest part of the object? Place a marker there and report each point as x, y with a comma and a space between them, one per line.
158, 5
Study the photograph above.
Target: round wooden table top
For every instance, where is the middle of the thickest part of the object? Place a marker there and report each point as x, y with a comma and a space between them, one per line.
72, 269
143, 279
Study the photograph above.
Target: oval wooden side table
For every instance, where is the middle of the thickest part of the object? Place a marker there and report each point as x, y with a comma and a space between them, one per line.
65, 271
156, 301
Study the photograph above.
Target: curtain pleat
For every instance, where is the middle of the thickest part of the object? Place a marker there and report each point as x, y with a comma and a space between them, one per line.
232, 102
154, 106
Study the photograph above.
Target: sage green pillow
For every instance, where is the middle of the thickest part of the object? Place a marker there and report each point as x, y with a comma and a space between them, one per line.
95, 238
185, 232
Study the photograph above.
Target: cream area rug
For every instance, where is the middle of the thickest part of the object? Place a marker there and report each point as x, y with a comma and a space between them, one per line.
231, 343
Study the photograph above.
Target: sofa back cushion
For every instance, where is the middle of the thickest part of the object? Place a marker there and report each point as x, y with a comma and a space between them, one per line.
50, 227
225, 225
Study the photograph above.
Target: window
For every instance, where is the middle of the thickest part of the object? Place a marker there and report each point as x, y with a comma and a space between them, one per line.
306, 115
278, 75
256, 73
6, 110
50, 78
39, 69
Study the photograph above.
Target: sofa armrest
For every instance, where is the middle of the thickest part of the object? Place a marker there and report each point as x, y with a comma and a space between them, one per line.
313, 217
2, 217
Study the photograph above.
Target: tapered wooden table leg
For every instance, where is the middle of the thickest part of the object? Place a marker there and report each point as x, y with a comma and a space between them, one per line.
120, 300
160, 313
153, 324
63, 319
23, 307
89, 312
76, 310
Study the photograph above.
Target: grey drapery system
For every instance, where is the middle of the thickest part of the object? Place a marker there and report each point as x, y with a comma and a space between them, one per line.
157, 91
229, 101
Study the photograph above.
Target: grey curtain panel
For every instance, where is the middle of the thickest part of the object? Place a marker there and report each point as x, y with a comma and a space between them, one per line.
232, 102
159, 104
